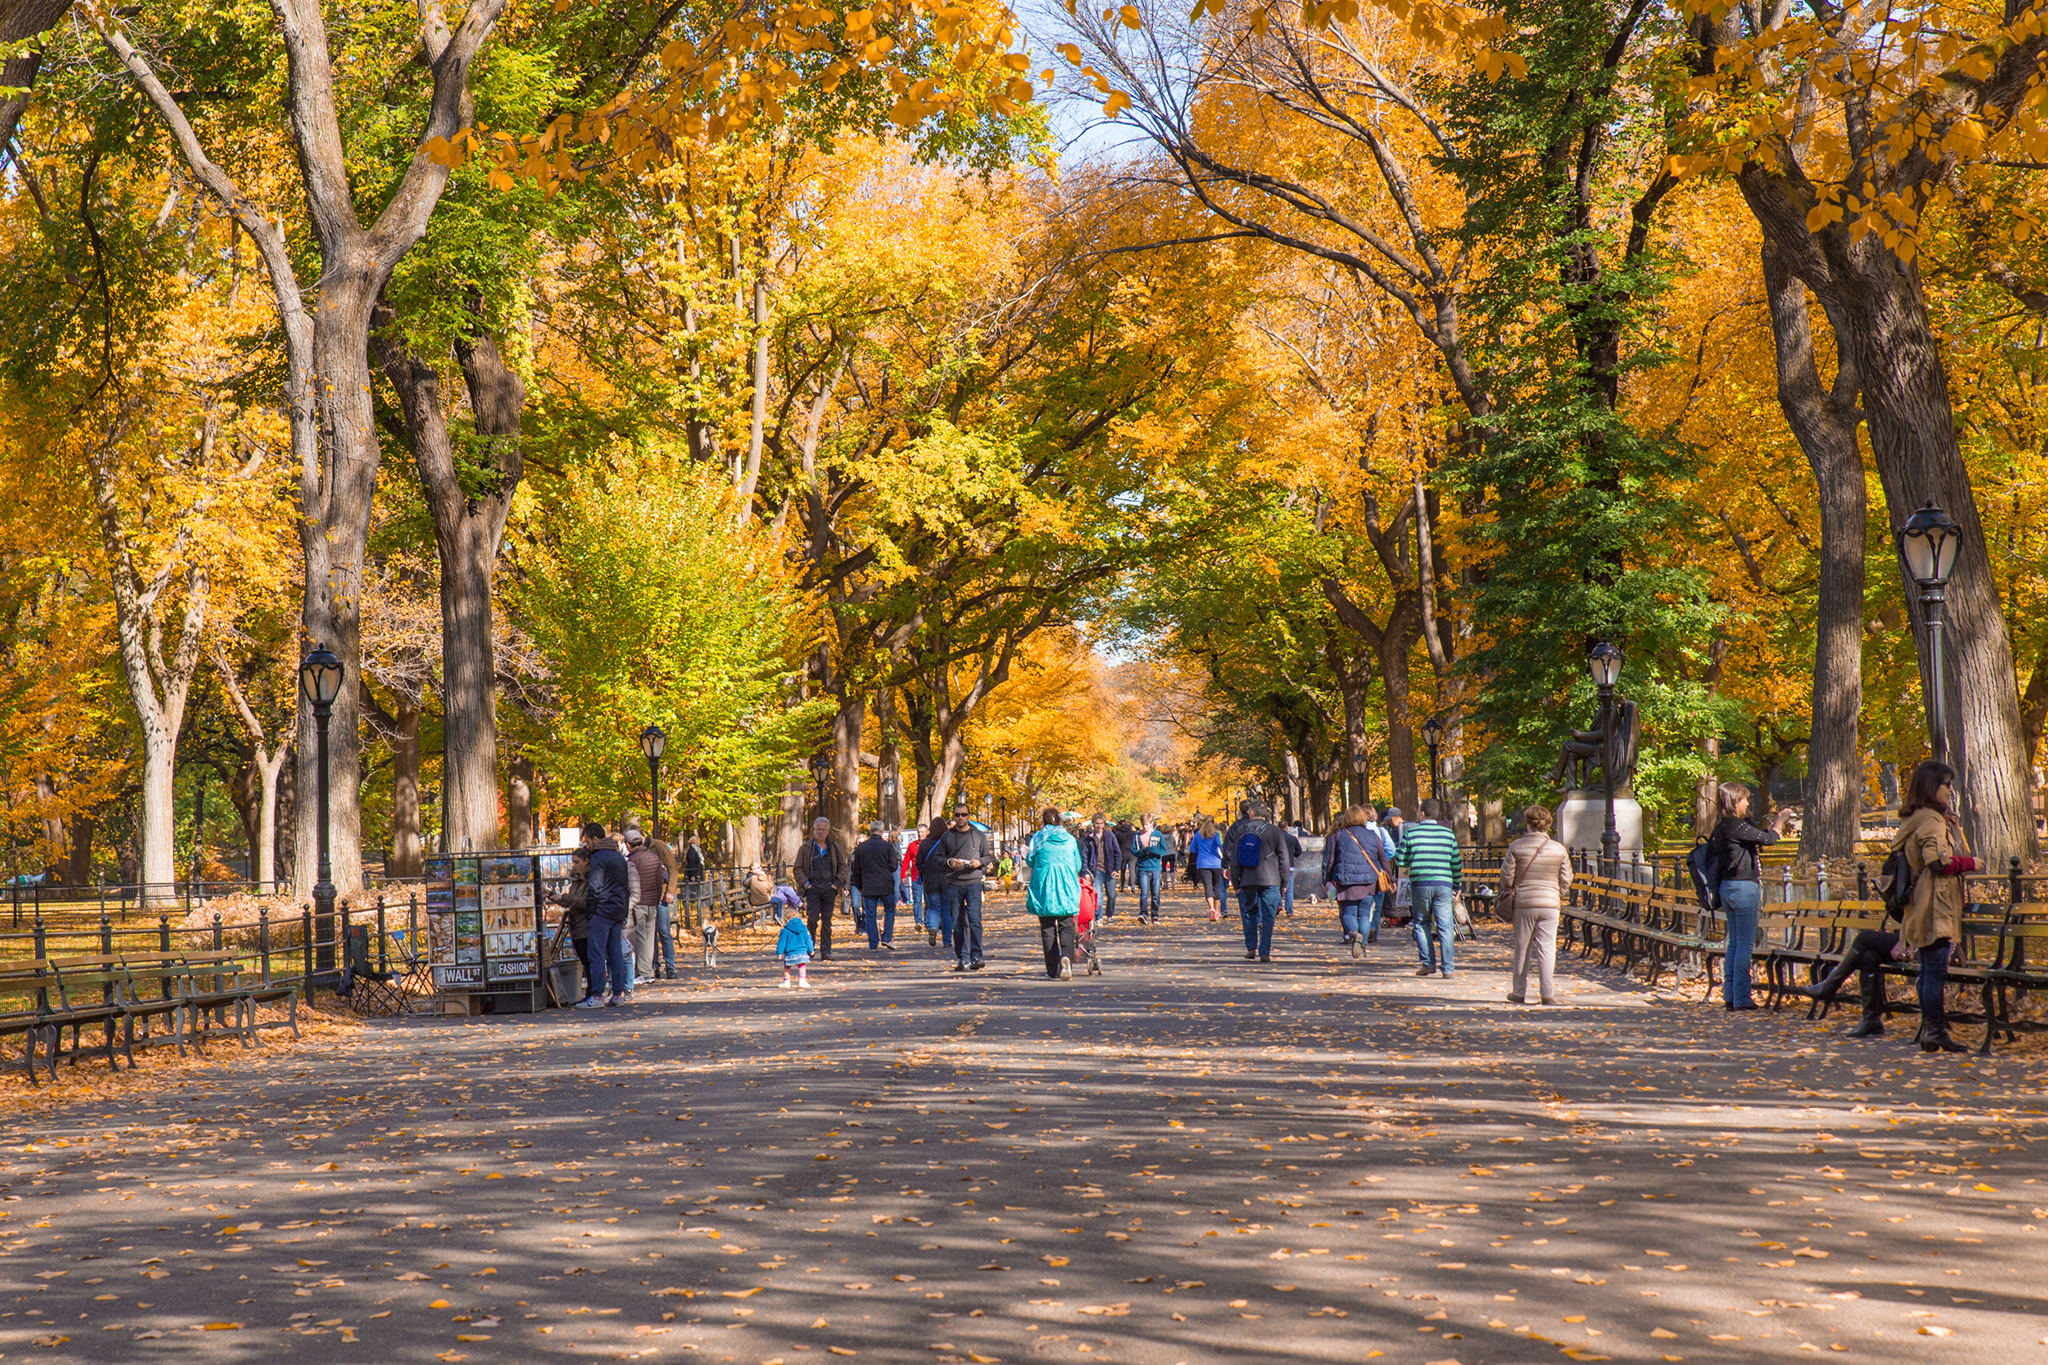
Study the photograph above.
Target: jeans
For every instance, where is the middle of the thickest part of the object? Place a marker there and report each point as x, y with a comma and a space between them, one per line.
917, 910
1375, 910
966, 908
1353, 916
1740, 902
1056, 936
611, 961
1256, 906
819, 903
1431, 903
1933, 976
1105, 893
665, 938
1287, 895
1148, 892
938, 914
881, 911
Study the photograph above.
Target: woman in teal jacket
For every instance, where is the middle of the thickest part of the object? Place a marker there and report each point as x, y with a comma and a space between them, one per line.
1054, 892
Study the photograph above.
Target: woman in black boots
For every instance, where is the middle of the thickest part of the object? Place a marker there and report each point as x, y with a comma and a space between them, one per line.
1937, 861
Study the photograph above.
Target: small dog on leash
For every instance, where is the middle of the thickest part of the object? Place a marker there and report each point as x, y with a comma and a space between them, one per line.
710, 943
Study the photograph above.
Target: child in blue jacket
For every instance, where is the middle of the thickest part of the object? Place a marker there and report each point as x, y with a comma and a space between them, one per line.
793, 946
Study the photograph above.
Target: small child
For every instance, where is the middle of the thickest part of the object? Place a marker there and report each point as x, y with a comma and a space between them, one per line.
793, 946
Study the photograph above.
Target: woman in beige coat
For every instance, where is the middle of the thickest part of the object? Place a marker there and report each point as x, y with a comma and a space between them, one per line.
1938, 860
1536, 872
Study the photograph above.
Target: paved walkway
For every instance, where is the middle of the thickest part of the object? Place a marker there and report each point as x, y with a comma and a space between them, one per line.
1189, 1158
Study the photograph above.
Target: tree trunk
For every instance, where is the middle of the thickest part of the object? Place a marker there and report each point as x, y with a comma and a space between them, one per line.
1390, 645
890, 769
952, 754
78, 850
408, 849
21, 20
1825, 421
519, 831
2034, 713
844, 807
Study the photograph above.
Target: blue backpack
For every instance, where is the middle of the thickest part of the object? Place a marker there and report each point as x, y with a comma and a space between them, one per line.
1251, 848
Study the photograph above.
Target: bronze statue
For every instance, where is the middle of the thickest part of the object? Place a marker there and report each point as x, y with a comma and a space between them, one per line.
1612, 752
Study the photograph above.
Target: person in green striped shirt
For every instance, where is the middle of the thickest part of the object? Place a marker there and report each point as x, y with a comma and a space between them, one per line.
1430, 858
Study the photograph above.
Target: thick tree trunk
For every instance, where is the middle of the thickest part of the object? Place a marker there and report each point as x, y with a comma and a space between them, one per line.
21, 20
1824, 421
1390, 645
890, 769
408, 848
78, 849
844, 807
2034, 713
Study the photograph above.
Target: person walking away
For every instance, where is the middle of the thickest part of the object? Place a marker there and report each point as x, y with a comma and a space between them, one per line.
651, 875
1430, 856
1741, 886
938, 900
793, 947
968, 859
1535, 873
1205, 851
874, 873
1127, 838
609, 899
1377, 909
1937, 865
909, 875
1259, 865
1052, 892
1102, 857
575, 902
820, 872
1150, 860
1356, 869
1293, 833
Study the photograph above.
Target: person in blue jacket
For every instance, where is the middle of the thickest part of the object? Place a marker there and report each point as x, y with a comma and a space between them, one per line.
793, 946
1053, 892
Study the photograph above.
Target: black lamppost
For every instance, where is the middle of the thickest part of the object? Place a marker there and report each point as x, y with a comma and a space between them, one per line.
821, 768
1432, 735
320, 674
1928, 545
652, 741
1604, 664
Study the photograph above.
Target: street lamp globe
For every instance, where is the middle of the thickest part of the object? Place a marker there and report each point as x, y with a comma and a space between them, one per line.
1432, 731
320, 674
1929, 543
652, 741
1604, 664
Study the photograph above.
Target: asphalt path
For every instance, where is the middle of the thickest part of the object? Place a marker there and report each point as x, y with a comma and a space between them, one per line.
1188, 1158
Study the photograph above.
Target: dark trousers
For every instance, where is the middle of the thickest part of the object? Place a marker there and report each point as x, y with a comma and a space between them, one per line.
819, 902
1056, 933
881, 913
966, 904
1256, 907
583, 956
1933, 977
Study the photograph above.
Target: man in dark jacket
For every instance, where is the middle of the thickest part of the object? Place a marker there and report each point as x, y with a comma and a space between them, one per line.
874, 876
967, 857
644, 931
1256, 856
608, 898
820, 872
1127, 839
1102, 857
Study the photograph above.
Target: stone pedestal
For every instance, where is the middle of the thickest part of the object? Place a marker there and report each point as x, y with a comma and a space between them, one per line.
1582, 817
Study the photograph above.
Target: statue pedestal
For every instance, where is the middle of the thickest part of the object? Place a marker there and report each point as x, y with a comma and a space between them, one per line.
1582, 818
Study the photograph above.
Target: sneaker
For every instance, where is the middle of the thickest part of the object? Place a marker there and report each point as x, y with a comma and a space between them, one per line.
1357, 948
804, 984
931, 938
1373, 937
615, 999
1447, 973
1251, 957
590, 1002
1425, 970
787, 984
888, 947
976, 965
1066, 969
1265, 957
959, 964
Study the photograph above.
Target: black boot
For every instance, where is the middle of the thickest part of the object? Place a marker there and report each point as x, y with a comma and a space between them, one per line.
1937, 1040
1827, 986
1873, 1007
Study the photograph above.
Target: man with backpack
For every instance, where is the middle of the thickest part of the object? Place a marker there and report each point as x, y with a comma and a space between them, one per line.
1256, 856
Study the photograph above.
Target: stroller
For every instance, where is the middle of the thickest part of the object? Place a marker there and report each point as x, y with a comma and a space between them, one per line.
1084, 929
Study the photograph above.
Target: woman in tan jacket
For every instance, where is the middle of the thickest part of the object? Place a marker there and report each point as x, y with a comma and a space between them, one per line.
1536, 872
1938, 859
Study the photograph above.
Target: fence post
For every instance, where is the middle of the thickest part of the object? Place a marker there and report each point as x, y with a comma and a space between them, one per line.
1862, 880
42, 952
263, 939
341, 957
163, 945
1785, 884
383, 963
306, 928
2015, 892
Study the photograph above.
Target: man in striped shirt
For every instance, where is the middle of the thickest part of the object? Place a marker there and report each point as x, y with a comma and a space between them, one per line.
1430, 858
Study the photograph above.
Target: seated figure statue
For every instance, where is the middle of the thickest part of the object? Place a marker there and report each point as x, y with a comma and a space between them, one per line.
1615, 752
